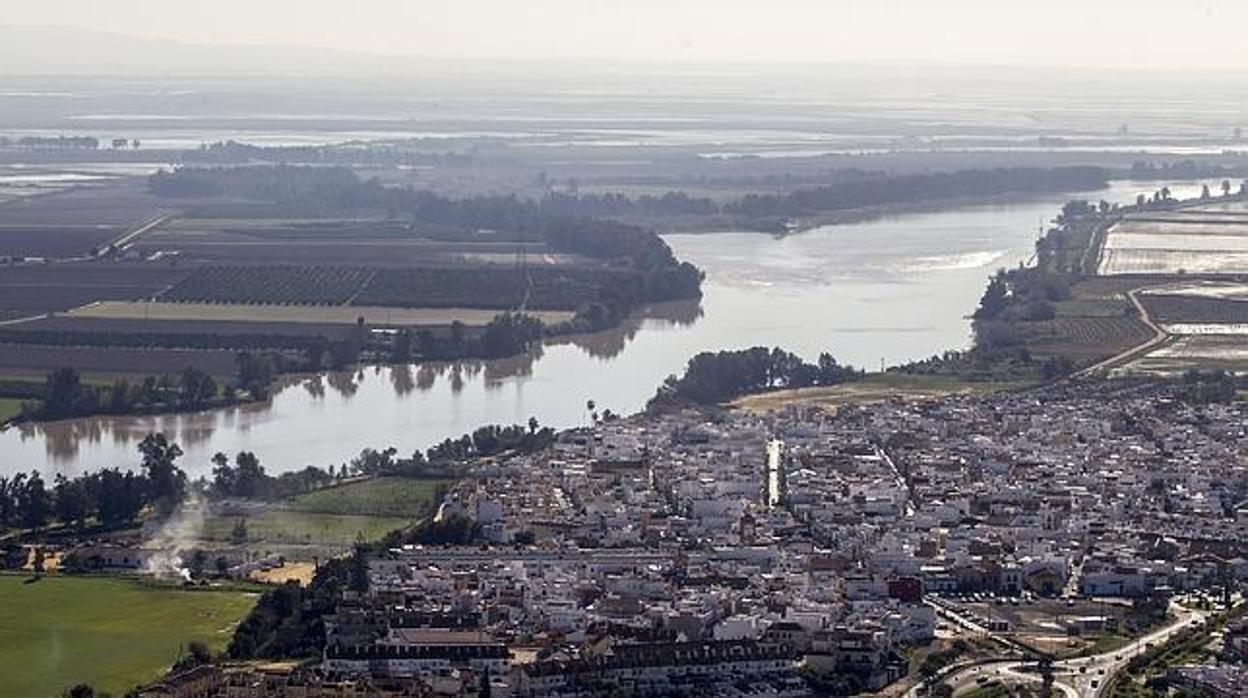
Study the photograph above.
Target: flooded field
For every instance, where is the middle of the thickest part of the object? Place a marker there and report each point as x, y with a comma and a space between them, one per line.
1206, 239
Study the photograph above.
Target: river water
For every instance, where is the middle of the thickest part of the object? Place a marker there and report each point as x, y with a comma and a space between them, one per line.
887, 290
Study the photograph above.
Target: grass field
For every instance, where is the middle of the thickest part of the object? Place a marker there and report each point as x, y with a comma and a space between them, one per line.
109, 632
333, 314
384, 496
284, 527
9, 408
328, 521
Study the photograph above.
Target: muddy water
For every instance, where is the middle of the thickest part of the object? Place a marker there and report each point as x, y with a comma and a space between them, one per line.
888, 290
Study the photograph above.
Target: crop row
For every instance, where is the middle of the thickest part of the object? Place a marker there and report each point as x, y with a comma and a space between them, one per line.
300, 285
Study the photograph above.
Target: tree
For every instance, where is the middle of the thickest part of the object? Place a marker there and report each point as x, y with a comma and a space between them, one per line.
34, 502
197, 654
1204, 191
70, 497
199, 560
1226, 187
198, 387
64, 394
1046, 676
995, 299
166, 481
533, 425
81, 690
38, 564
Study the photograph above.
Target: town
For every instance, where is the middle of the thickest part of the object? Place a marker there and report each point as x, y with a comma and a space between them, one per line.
1059, 538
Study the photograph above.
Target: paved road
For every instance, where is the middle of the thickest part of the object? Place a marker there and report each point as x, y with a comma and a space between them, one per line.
1083, 677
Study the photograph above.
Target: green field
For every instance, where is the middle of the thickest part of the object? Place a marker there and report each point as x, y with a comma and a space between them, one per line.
112, 633
328, 521
284, 527
383, 496
9, 408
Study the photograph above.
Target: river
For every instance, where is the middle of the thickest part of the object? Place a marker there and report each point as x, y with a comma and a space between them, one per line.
882, 291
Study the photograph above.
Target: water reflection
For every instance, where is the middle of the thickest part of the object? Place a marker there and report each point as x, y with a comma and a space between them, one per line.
401, 379
609, 344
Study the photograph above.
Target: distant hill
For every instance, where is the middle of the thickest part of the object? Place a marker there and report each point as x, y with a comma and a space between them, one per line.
60, 50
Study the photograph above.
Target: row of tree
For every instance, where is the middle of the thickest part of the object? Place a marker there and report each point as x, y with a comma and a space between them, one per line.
66, 395
914, 188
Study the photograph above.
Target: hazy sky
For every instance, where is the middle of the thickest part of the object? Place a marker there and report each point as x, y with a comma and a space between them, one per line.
1112, 33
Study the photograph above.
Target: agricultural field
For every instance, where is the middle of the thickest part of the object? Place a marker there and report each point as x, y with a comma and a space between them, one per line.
34, 362
339, 315
1182, 353
75, 222
282, 285
139, 327
1186, 241
113, 633
1087, 339
360, 242
36, 289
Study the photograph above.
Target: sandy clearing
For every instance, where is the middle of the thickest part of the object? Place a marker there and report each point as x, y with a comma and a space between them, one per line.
330, 314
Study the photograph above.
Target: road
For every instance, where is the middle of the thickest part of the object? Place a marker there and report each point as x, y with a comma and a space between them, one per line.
1081, 677
120, 243
1159, 336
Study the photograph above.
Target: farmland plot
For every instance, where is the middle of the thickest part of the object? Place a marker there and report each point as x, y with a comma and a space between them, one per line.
1211, 351
278, 284
74, 222
35, 289
1210, 239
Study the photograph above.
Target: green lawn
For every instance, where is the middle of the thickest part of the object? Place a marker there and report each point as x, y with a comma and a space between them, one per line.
110, 632
383, 496
9, 408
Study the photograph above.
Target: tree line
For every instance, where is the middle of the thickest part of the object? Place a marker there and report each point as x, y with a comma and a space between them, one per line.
712, 378
65, 394
110, 497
